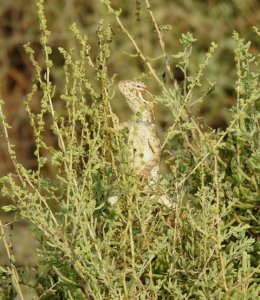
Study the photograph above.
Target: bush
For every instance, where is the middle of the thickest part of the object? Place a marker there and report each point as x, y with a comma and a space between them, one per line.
205, 248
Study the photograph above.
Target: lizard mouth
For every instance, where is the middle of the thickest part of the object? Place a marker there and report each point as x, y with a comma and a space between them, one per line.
140, 95
150, 101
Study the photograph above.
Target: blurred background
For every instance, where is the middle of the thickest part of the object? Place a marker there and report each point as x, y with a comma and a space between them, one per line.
207, 20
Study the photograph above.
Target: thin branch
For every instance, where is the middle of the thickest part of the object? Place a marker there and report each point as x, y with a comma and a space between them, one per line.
214, 147
209, 91
162, 43
139, 52
218, 219
21, 177
12, 266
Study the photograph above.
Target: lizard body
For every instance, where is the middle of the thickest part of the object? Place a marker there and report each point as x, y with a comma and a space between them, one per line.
143, 138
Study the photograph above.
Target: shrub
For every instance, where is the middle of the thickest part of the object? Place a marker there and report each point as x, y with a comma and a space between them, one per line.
205, 248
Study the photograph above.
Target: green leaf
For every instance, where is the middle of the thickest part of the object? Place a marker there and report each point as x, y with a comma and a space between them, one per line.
8, 208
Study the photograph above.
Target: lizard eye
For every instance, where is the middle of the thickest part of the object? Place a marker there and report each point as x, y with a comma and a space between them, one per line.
140, 85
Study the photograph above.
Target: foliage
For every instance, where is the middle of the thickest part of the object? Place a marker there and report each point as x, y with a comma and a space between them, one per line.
206, 248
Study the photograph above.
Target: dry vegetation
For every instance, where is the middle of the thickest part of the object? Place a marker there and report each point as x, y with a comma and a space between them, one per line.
67, 159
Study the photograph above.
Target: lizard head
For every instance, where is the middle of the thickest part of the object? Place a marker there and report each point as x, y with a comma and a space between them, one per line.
136, 94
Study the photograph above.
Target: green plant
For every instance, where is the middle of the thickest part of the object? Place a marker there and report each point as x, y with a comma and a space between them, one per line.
205, 249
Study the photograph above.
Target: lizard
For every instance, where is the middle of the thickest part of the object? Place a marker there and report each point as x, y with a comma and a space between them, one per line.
142, 138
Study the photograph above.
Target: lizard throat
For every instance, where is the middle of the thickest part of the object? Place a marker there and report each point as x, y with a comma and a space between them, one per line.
144, 116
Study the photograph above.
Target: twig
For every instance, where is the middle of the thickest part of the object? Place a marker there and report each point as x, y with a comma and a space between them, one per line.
21, 177
12, 266
162, 43
209, 90
214, 147
139, 52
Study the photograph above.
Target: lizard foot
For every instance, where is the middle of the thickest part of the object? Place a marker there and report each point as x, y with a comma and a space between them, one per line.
112, 200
